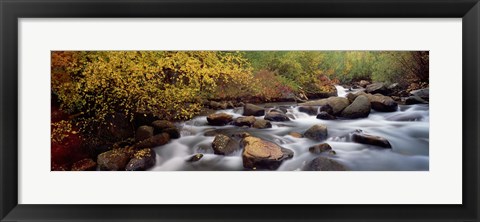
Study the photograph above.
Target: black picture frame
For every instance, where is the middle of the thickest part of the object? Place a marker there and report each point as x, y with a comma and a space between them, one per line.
11, 11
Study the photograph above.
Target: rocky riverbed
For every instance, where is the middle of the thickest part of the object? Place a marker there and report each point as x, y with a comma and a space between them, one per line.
354, 131
360, 129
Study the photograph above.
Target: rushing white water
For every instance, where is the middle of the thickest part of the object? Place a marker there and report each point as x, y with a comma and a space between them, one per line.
406, 129
342, 92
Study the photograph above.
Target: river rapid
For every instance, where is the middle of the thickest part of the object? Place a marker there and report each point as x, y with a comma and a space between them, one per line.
407, 130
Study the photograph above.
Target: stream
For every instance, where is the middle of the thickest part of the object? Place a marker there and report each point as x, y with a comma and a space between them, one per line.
407, 130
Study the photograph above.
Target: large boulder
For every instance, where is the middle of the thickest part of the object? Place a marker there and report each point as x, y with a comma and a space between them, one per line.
363, 138
261, 154
422, 93
224, 145
352, 96
378, 102
143, 133
317, 132
84, 165
324, 164
327, 108
253, 110
165, 126
310, 110
262, 124
320, 102
359, 108
113, 160
219, 119
320, 148
276, 116
337, 104
244, 121
142, 160
160, 125
172, 132
154, 141
383, 103
377, 88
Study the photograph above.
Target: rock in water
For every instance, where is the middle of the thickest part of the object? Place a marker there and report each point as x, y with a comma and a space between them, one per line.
276, 116
352, 96
172, 132
317, 132
377, 88
195, 158
327, 108
325, 116
281, 110
415, 100
157, 140
261, 154
113, 160
310, 110
320, 102
371, 140
245, 121
337, 104
84, 165
219, 119
143, 133
422, 93
325, 164
360, 108
164, 126
160, 125
320, 148
224, 145
262, 124
383, 104
142, 160
253, 110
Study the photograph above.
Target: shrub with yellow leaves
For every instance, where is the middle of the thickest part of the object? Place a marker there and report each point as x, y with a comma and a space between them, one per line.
169, 84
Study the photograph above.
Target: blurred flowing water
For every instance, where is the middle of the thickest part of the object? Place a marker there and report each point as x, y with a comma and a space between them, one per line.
407, 129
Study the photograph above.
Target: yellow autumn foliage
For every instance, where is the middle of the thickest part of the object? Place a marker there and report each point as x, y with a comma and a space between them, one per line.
170, 85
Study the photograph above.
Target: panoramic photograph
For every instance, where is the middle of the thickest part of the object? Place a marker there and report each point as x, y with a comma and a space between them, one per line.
239, 111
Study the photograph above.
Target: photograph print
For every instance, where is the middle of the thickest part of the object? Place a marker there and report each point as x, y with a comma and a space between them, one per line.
239, 111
